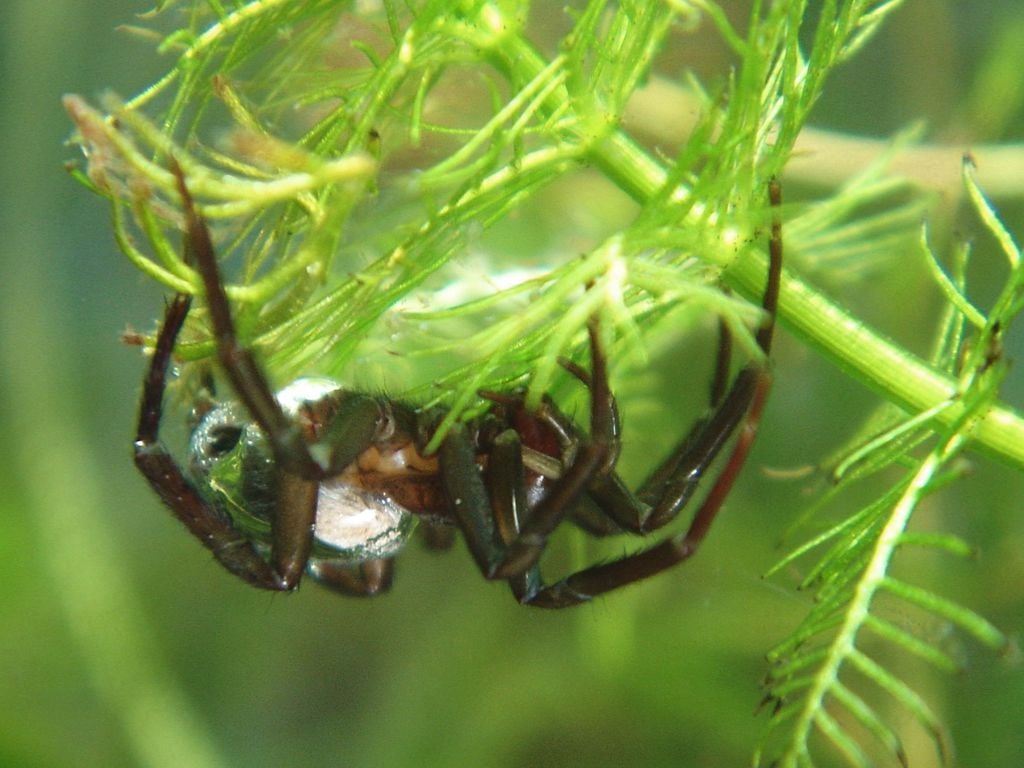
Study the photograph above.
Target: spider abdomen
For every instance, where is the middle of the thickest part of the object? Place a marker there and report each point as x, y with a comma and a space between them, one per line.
357, 524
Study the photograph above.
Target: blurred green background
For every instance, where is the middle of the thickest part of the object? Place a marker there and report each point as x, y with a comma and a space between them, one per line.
122, 643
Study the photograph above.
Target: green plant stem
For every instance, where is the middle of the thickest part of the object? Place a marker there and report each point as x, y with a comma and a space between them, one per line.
863, 353
666, 112
874, 360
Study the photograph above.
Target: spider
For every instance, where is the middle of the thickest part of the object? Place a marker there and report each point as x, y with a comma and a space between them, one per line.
321, 480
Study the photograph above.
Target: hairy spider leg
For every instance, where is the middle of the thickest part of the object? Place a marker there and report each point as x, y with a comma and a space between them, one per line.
489, 508
489, 528
595, 458
723, 364
298, 475
231, 549
238, 362
365, 579
742, 407
672, 484
489, 516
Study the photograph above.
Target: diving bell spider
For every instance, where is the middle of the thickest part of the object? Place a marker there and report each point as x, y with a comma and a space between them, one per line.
329, 481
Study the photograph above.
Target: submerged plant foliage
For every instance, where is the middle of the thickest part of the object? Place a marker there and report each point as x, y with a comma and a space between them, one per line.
819, 673
363, 166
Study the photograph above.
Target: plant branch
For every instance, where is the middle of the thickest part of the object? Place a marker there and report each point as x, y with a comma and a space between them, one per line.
665, 112
858, 350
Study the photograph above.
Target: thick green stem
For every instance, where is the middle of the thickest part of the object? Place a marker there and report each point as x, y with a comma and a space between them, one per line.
865, 354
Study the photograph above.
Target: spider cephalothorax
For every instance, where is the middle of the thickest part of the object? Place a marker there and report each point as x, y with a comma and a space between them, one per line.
327, 481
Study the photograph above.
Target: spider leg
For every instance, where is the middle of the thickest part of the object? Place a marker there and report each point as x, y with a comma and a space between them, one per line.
241, 368
358, 580
595, 459
685, 466
468, 498
298, 473
488, 508
204, 521
722, 364
741, 408
670, 487
653, 505
588, 583
436, 536
507, 494
507, 538
672, 484
743, 405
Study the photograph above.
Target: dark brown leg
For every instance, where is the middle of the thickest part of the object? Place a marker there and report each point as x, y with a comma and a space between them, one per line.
671, 485
488, 512
723, 363
293, 525
203, 520
238, 363
357, 580
350, 431
437, 536
507, 496
591, 582
298, 472
468, 498
490, 520
742, 407
595, 458
697, 452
